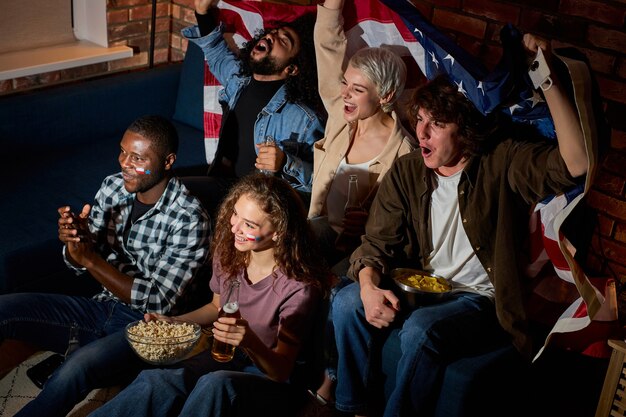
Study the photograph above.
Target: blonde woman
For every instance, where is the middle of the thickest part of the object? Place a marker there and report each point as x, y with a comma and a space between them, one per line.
363, 134
363, 137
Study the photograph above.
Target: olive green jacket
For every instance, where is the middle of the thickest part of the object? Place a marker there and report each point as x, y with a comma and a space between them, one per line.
495, 195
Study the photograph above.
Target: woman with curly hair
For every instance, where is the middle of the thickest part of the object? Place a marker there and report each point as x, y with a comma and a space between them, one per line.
262, 239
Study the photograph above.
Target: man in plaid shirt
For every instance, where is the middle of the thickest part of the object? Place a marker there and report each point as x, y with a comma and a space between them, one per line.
144, 239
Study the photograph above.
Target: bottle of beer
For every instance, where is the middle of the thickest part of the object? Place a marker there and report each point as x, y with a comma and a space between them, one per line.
347, 241
221, 351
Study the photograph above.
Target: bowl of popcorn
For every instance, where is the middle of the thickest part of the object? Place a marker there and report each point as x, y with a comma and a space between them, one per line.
161, 342
419, 287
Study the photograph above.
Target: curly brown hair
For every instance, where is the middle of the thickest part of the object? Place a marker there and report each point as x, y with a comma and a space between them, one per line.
442, 100
296, 251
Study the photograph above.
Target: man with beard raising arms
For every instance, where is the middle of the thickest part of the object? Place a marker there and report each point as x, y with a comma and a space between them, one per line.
269, 89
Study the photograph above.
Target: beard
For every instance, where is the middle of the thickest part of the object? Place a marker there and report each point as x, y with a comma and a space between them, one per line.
266, 66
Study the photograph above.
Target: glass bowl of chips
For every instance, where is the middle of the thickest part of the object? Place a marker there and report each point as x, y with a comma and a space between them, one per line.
420, 287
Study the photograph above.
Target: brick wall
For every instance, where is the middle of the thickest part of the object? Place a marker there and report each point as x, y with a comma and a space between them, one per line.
128, 24
595, 27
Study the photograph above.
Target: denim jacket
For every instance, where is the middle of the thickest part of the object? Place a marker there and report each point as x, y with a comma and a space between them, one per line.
294, 126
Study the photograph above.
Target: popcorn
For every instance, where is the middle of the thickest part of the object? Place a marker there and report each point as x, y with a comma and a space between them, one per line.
162, 342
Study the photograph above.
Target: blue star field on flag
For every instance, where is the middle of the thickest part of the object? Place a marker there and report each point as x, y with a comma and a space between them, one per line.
507, 88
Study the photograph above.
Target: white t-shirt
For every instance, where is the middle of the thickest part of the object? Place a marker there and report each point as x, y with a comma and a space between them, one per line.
453, 256
338, 193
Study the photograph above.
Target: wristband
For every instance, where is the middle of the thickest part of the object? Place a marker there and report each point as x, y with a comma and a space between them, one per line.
539, 72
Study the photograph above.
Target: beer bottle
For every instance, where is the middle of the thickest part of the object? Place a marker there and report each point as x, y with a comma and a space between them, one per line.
221, 351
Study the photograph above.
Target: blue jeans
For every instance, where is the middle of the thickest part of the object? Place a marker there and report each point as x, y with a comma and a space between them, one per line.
431, 336
201, 387
51, 321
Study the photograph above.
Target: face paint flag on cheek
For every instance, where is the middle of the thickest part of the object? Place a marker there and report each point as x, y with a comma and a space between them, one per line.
253, 238
142, 171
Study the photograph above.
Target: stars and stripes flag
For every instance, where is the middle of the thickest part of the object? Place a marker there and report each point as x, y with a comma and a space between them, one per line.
397, 24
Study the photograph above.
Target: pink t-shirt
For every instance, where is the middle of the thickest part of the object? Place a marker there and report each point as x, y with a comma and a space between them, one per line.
274, 307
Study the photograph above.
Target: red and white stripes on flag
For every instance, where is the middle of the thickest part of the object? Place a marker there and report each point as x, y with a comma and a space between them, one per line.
426, 51
592, 318
369, 23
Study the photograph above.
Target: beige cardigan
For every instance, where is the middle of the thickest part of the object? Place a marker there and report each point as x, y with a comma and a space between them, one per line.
330, 49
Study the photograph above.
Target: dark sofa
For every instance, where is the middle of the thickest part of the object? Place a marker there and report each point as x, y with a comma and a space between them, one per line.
60, 142
499, 383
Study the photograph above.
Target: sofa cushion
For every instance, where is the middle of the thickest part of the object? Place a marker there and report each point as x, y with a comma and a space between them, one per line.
190, 98
51, 181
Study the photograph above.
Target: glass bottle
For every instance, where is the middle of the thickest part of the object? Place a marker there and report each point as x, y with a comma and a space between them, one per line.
221, 351
347, 241
269, 141
352, 204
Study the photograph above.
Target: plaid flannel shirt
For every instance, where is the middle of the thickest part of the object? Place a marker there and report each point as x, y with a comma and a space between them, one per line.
165, 247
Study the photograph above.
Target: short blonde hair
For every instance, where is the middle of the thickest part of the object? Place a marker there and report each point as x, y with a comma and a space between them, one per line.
385, 69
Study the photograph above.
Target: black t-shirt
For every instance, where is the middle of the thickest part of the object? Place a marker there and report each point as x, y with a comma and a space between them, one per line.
238, 132
206, 22
138, 210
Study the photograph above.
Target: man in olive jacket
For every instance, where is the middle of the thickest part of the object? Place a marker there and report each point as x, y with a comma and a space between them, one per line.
458, 208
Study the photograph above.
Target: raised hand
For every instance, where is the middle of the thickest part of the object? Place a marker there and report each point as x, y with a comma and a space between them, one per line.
354, 222
203, 6
566, 123
532, 43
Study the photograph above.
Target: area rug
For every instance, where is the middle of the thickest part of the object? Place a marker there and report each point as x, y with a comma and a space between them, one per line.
16, 389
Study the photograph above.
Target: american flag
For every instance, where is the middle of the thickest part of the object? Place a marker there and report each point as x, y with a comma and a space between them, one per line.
397, 24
